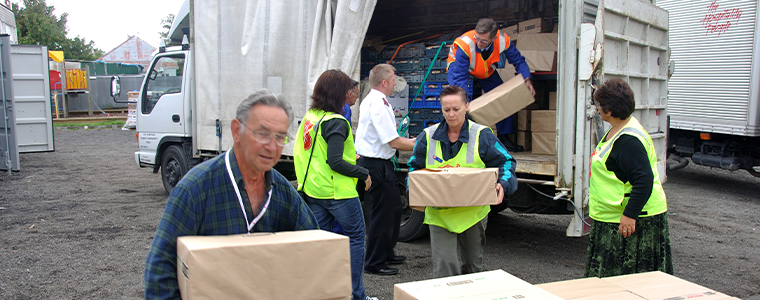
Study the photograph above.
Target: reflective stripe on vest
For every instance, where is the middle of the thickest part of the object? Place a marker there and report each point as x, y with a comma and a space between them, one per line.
608, 196
469, 156
455, 219
322, 182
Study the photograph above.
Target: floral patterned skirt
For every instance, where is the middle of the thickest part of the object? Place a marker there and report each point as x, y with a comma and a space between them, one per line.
647, 249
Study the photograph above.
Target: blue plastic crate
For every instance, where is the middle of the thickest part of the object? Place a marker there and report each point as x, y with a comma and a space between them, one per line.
388, 52
412, 50
419, 103
429, 123
432, 102
434, 114
431, 50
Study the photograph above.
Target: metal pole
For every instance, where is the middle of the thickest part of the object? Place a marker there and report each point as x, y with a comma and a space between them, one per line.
5, 113
89, 99
64, 96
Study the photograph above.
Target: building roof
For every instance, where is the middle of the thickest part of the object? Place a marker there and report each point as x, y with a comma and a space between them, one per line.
132, 51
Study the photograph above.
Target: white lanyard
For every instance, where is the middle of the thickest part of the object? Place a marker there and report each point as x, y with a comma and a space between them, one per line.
240, 199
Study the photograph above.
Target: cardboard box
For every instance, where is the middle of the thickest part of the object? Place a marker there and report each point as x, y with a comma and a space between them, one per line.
538, 41
543, 142
453, 187
501, 102
511, 31
540, 61
489, 285
524, 139
543, 121
649, 286
579, 288
537, 25
661, 286
523, 120
133, 96
311, 264
552, 100
507, 73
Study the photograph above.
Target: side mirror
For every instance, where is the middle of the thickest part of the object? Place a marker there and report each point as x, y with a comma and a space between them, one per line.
115, 86
116, 89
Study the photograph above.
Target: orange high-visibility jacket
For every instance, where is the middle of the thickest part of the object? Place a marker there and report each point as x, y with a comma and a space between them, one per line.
479, 68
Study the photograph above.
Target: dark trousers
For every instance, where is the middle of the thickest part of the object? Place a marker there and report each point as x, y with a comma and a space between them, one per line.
385, 212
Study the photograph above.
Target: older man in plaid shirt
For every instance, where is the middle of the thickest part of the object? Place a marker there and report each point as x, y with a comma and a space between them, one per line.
233, 193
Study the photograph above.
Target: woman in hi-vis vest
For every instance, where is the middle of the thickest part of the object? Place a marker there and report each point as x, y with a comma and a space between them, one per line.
630, 230
456, 143
325, 163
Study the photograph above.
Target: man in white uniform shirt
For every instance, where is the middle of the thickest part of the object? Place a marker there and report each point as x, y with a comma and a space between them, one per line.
376, 143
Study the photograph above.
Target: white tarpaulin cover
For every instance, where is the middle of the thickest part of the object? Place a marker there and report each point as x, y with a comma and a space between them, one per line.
242, 46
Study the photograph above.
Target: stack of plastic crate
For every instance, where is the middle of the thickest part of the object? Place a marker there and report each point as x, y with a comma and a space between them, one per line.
412, 62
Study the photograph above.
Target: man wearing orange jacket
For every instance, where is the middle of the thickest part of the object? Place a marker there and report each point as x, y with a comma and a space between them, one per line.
479, 52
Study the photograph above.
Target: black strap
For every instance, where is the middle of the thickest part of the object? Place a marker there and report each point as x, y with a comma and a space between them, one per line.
312, 152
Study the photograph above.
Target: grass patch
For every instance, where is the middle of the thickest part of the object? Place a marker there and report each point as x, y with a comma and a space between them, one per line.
106, 123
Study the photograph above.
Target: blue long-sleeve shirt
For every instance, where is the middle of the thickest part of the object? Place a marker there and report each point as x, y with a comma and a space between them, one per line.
490, 149
459, 69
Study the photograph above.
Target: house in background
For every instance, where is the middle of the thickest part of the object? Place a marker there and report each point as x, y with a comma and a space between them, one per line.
8, 21
133, 51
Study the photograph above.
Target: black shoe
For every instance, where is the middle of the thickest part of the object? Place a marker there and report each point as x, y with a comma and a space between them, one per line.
395, 260
386, 271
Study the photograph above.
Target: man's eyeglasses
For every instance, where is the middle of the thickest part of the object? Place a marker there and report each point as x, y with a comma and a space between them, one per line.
265, 137
488, 41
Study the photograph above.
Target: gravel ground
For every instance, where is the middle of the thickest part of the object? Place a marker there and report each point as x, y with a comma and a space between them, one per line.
77, 223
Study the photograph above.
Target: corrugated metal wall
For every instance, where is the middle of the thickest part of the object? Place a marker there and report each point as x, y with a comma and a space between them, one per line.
711, 43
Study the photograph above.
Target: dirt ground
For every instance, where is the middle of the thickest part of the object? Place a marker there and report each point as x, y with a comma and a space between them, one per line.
77, 223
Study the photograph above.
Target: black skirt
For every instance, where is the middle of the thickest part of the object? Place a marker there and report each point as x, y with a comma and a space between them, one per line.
647, 249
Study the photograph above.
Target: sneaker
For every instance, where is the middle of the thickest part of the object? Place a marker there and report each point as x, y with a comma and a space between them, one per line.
372, 298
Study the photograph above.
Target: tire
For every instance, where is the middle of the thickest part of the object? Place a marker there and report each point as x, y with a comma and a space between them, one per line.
173, 167
523, 194
412, 226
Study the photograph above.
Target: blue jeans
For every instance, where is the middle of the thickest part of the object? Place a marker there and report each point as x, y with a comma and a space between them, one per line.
348, 212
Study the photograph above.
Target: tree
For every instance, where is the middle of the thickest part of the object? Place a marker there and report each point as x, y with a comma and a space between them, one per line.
37, 25
166, 23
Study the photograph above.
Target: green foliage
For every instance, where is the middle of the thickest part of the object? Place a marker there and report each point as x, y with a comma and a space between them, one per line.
37, 25
166, 23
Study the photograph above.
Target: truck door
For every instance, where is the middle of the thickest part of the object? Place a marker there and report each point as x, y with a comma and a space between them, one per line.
634, 39
629, 40
161, 102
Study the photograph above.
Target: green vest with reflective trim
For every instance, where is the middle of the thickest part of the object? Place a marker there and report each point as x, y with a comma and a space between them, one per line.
455, 219
608, 196
322, 181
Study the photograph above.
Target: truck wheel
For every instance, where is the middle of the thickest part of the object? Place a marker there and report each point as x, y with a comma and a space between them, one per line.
521, 195
173, 167
412, 226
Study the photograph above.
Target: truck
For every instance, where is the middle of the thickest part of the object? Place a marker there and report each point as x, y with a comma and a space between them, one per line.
714, 94
220, 51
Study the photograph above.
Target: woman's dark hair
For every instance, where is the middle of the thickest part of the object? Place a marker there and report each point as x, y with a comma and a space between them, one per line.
616, 97
331, 90
454, 90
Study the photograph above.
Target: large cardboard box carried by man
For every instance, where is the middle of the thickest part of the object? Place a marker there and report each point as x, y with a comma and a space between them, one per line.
309, 264
501, 102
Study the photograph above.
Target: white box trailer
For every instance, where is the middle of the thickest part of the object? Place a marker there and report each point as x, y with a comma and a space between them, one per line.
233, 48
714, 94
